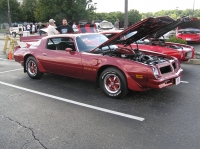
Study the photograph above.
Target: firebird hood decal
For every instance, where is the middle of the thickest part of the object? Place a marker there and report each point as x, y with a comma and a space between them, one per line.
142, 29
165, 29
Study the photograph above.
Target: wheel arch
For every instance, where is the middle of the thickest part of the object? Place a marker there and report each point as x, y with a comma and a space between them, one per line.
40, 67
101, 69
25, 58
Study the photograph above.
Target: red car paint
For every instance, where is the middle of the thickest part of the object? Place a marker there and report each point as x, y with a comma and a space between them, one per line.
189, 31
181, 51
114, 68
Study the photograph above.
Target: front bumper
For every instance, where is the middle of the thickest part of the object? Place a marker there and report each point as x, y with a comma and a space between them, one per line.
164, 81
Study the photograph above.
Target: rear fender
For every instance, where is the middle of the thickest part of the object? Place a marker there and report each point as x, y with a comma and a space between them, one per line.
40, 67
16, 48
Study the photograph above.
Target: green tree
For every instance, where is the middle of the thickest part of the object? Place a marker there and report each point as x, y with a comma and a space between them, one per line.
134, 16
15, 11
28, 8
58, 9
173, 13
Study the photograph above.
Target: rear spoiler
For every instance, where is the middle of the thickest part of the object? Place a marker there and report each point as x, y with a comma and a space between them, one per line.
87, 28
30, 38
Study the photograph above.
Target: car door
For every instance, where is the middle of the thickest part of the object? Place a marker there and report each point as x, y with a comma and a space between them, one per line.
62, 62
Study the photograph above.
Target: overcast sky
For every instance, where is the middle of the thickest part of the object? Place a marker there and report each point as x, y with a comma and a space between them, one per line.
145, 5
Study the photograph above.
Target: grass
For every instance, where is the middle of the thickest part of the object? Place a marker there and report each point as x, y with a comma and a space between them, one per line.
3, 31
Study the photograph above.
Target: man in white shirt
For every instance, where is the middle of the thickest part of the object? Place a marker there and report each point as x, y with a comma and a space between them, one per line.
51, 28
33, 28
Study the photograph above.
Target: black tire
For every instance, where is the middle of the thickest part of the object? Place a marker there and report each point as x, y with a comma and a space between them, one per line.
113, 82
32, 68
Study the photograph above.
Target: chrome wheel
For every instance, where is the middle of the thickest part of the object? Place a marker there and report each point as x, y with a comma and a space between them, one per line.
32, 68
112, 83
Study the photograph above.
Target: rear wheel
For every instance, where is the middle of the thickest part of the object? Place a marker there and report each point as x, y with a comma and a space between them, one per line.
113, 82
32, 68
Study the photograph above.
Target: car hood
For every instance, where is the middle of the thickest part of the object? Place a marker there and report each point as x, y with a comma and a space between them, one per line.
194, 23
141, 29
167, 28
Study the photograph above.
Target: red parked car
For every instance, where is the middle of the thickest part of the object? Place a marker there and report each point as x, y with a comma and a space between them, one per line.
91, 56
189, 31
181, 51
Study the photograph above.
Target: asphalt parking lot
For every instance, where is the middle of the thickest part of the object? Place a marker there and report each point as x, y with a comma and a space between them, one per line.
61, 112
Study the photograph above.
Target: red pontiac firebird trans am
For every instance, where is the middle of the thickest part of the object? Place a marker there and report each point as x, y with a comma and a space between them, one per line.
181, 51
91, 56
189, 31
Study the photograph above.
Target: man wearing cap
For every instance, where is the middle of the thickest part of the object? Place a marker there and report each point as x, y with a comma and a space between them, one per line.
65, 28
51, 28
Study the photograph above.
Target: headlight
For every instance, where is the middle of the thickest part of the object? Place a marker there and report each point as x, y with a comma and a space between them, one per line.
155, 72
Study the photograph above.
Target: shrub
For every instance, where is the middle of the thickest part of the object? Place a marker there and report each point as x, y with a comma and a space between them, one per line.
176, 40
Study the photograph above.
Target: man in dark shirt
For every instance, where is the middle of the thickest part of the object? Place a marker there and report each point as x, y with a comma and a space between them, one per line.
65, 28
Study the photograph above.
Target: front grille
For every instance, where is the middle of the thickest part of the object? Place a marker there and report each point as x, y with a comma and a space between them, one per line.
165, 69
188, 54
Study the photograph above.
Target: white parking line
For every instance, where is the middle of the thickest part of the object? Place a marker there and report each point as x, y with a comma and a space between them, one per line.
11, 70
76, 103
184, 82
4, 59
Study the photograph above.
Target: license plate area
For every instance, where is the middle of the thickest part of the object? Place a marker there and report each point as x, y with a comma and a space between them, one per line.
177, 80
188, 39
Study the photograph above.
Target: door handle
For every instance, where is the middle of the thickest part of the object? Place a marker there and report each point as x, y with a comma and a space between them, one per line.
44, 54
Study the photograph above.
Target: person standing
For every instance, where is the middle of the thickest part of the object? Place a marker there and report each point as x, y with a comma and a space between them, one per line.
74, 27
40, 27
116, 25
28, 27
65, 28
33, 28
51, 30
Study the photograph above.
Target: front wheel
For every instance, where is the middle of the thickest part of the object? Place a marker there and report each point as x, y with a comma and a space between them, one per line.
32, 68
113, 82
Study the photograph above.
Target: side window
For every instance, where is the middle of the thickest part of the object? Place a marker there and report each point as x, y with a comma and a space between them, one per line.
51, 44
60, 43
66, 42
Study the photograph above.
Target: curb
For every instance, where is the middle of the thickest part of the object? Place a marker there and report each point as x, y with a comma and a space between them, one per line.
193, 61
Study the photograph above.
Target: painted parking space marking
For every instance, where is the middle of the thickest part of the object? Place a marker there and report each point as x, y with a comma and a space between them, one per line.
184, 82
5, 59
76, 103
11, 70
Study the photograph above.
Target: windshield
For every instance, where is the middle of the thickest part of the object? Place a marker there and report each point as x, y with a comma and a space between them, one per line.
88, 42
106, 49
130, 34
189, 31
